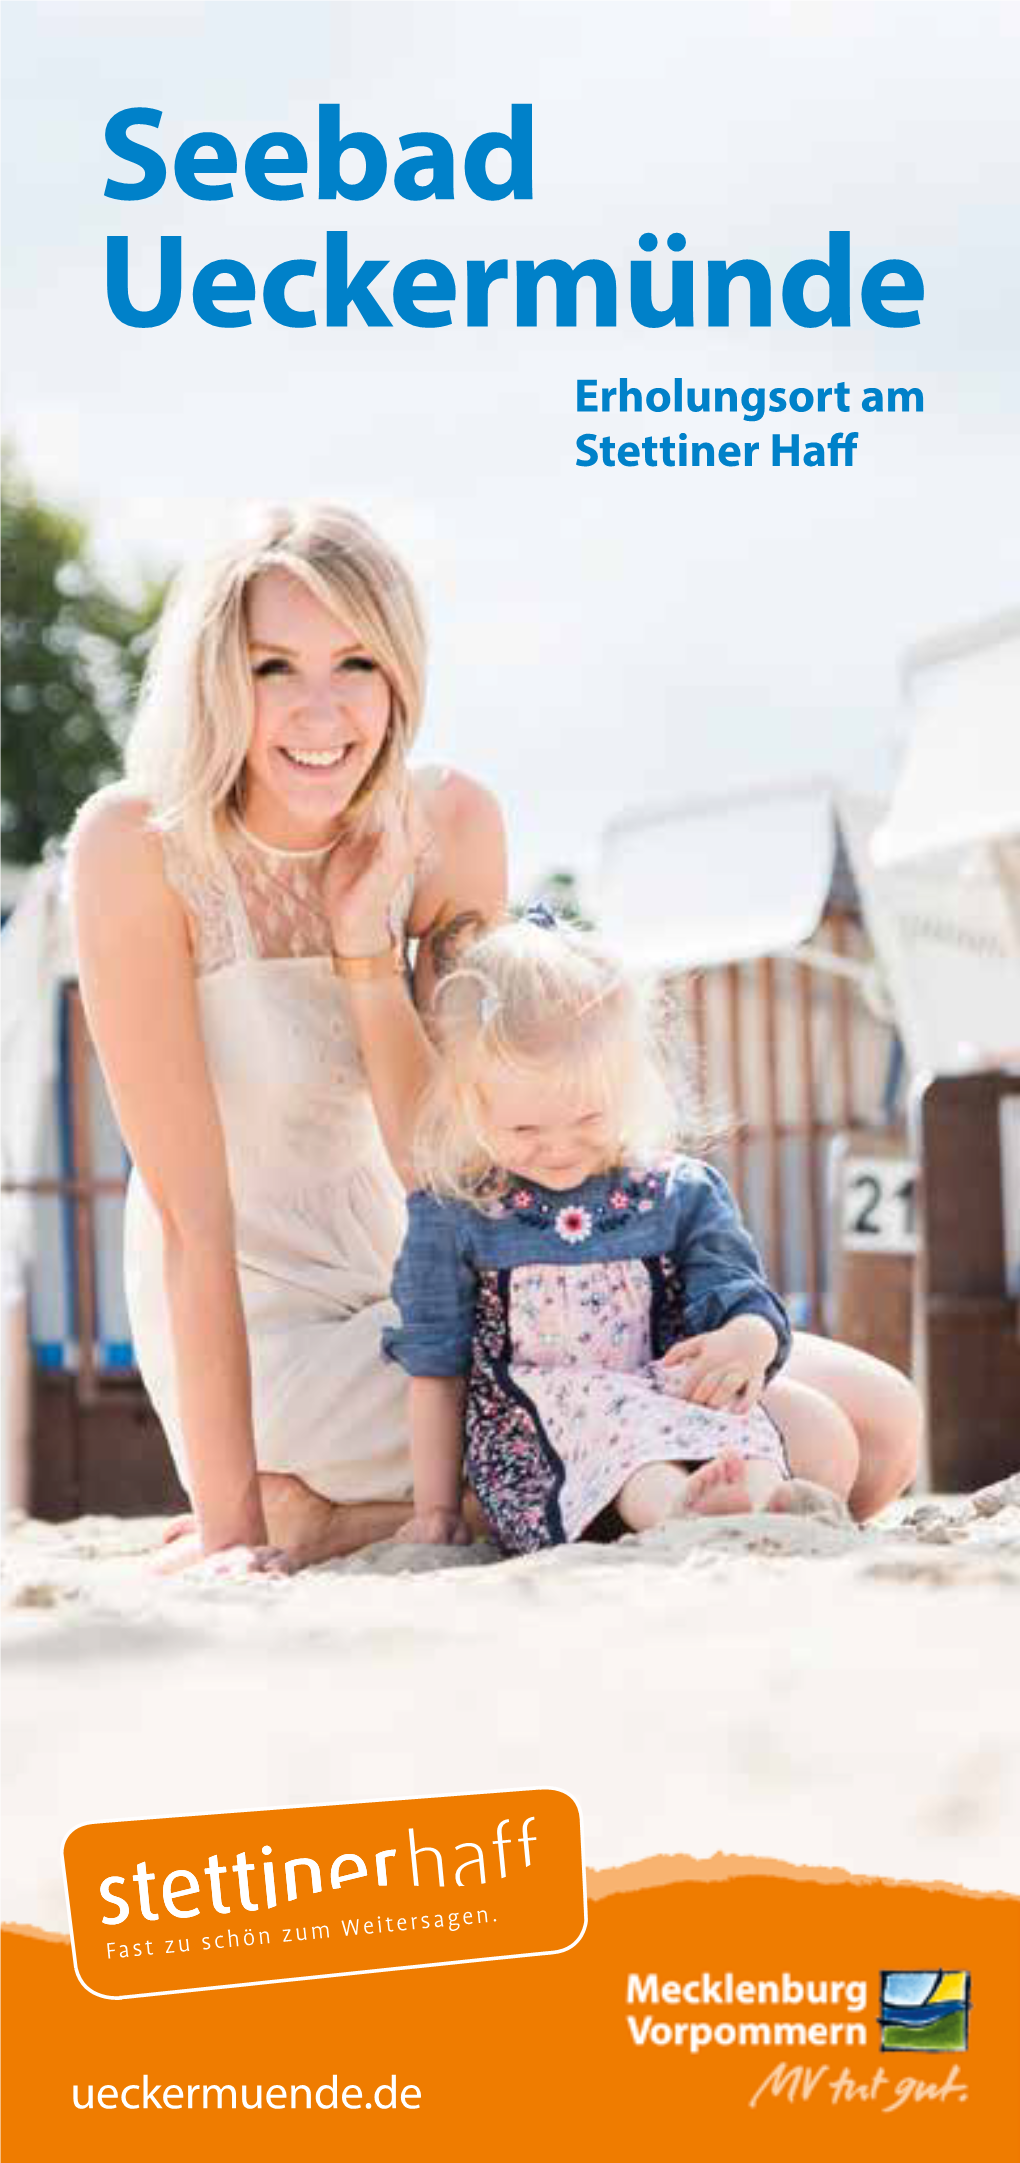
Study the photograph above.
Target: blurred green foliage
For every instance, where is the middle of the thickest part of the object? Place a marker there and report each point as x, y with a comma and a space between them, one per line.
73, 651
560, 890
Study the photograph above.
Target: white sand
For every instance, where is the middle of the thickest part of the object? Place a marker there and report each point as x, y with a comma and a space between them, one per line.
769, 1687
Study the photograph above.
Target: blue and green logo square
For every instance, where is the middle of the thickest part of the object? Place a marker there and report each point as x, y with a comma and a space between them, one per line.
925, 2008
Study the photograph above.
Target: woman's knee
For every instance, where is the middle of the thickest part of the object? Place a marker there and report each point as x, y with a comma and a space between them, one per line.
889, 1417
820, 1439
885, 1409
901, 1416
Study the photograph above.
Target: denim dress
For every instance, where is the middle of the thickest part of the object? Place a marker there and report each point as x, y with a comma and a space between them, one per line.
557, 1308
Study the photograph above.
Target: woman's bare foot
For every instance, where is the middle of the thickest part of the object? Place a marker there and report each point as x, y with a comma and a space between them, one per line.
303, 1528
310, 1529
474, 1516
802, 1498
307, 1527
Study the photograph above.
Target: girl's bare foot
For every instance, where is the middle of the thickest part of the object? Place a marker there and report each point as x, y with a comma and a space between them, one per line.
651, 1495
720, 1488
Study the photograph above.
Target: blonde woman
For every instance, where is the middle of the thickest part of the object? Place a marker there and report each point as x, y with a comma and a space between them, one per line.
243, 904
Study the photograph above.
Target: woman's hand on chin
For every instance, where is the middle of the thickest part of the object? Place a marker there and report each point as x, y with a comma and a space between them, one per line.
365, 875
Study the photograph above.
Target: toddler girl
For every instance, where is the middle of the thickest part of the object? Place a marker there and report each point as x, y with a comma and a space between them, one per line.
578, 1302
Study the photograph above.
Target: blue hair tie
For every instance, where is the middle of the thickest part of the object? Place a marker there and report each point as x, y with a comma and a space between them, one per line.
539, 912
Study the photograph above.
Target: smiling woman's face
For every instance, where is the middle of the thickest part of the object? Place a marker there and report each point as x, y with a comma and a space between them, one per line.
322, 707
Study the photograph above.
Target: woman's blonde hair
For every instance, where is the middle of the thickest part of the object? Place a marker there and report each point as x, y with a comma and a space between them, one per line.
535, 995
190, 738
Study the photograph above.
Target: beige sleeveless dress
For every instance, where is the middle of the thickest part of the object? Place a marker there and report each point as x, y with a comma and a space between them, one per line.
319, 1212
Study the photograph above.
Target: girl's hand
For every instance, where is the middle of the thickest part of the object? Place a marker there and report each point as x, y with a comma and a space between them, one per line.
365, 875
435, 1528
723, 1369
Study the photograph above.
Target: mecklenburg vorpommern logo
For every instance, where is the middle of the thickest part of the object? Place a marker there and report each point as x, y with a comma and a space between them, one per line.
925, 2008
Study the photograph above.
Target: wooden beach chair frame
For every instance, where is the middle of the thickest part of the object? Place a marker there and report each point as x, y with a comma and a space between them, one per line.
944, 865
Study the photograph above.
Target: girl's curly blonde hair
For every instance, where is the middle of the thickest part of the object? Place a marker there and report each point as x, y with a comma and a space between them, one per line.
540, 995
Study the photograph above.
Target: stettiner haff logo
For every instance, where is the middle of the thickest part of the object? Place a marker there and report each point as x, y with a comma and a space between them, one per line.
925, 2008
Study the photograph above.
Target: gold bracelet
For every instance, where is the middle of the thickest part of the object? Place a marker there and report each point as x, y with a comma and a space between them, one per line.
364, 968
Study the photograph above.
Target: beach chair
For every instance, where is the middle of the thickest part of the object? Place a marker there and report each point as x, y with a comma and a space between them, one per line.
751, 896
711, 880
939, 877
92, 1442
